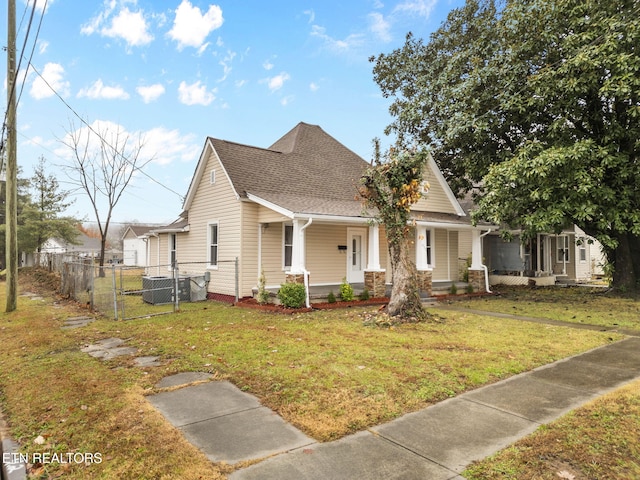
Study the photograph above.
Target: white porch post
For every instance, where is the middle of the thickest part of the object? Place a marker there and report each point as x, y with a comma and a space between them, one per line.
373, 253
297, 249
476, 250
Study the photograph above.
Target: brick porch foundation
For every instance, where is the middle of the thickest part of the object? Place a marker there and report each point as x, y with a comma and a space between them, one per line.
374, 282
294, 278
476, 280
425, 281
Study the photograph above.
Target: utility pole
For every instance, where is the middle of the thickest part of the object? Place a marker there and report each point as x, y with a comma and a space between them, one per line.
11, 251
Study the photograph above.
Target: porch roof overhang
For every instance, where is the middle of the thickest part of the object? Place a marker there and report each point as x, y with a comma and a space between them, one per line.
331, 211
321, 211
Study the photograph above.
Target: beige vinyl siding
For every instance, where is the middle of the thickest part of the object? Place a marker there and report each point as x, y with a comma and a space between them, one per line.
325, 262
248, 267
152, 246
272, 251
436, 200
213, 203
266, 215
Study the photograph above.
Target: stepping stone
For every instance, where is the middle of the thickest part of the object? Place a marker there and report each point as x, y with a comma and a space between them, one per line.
147, 361
109, 348
183, 378
76, 322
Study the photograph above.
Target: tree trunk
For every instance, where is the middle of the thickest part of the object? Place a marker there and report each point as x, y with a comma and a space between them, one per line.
103, 247
625, 271
405, 299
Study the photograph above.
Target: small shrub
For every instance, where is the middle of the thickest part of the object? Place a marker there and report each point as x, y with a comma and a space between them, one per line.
454, 289
292, 295
331, 298
469, 288
364, 296
346, 291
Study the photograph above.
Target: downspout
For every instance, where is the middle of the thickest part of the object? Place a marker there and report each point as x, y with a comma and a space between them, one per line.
484, 267
305, 272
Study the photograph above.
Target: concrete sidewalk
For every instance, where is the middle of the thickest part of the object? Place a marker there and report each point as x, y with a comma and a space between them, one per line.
435, 443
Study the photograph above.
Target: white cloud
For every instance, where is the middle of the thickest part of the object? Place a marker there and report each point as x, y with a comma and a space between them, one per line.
379, 26
51, 78
195, 94
43, 45
226, 65
311, 14
287, 100
191, 27
167, 146
267, 65
160, 144
314, 87
101, 91
338, 46
276, 83
130, 26
422, 8
150, 93
241, 83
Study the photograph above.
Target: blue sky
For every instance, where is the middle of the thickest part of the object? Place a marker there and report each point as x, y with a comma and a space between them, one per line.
174, 72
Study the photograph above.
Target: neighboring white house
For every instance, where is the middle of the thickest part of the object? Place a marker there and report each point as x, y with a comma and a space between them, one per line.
546, 259
86, 246
134, 245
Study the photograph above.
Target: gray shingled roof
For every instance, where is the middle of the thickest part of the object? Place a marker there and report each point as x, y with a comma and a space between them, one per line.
306, 171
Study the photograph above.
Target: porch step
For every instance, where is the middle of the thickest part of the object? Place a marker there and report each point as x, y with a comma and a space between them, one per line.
444, 288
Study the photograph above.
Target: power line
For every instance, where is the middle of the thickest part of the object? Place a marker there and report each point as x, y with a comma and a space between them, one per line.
17, 70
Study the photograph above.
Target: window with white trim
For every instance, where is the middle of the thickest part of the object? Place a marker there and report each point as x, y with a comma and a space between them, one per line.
287, 245
582, 250
212, 177
425, 253
562, 249
213, 236
173, 248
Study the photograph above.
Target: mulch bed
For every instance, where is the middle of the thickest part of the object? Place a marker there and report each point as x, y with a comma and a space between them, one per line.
270, 307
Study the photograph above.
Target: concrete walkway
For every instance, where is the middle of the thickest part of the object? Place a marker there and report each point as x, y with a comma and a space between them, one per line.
435, 443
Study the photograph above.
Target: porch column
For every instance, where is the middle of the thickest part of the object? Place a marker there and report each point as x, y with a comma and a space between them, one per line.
476, 270
476, 250
373, 257
297, 249
374, 276
425, 272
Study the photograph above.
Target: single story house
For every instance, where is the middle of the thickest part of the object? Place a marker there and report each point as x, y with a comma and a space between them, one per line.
134, 245
291, 212
569, 256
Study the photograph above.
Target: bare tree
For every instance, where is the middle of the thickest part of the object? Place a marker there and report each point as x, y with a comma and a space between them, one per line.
104, 160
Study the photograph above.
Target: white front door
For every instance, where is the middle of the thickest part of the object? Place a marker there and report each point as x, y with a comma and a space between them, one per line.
356, 255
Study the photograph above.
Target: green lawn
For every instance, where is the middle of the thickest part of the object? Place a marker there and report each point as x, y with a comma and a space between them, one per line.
325, 372
584, 305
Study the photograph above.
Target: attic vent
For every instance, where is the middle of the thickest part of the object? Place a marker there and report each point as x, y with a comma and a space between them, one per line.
212, 178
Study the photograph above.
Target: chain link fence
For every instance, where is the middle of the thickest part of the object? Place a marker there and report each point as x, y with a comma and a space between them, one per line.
124, 292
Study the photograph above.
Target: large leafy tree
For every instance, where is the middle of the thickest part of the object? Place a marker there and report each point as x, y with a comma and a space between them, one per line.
538, 103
